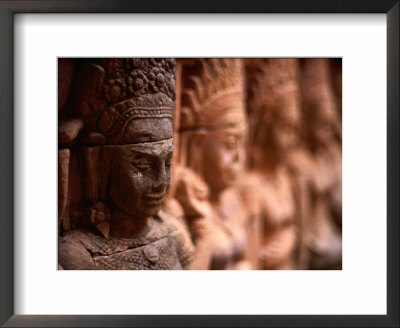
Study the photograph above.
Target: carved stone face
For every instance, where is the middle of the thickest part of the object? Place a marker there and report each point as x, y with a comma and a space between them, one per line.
141, 169
285, 129
224, 156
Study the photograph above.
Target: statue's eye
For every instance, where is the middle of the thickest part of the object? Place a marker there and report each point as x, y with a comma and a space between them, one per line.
143, 166
141, 163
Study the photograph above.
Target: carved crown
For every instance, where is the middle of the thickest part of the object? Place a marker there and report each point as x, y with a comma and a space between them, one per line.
113, 91
216, 99
275, 79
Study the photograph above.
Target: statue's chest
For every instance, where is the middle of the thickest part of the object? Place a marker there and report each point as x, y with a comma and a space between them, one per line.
158, 255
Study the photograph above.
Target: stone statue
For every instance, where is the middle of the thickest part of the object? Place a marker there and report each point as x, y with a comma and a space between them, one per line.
123, 152
274, 106
212, 137
322, 235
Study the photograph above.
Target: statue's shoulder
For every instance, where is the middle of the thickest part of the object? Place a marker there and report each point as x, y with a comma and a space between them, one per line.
72, 254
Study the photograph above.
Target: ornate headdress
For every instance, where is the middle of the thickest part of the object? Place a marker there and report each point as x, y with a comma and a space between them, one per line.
274, 83
217, 99
273, 89
114, 92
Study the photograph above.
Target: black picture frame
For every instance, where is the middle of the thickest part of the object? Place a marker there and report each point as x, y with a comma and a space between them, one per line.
7, 11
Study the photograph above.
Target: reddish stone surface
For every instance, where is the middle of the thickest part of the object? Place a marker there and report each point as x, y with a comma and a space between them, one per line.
212, 163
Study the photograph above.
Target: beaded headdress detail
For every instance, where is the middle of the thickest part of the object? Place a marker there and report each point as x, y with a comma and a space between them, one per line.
217, 98
120, 90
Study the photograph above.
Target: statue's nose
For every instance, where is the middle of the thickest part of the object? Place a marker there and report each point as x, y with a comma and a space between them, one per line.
160, 180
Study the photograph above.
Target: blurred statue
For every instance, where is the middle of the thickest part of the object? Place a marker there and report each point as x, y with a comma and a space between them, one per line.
212, 138
323, 235
276, 159
124, 150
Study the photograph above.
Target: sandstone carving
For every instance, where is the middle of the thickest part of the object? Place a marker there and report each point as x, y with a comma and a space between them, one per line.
124, 155
322, 235
213, 129
199, 163
275, 116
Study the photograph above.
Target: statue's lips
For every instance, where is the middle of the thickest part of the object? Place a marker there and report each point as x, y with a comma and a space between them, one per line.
153, 199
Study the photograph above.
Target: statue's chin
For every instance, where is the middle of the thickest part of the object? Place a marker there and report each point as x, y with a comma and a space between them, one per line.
152, 210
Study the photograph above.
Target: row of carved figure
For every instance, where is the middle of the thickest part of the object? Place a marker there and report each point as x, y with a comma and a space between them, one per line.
219, 163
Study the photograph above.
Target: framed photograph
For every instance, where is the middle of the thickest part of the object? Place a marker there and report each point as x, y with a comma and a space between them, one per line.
146, 88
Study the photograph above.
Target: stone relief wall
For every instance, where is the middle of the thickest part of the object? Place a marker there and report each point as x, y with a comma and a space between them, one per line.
203, 164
